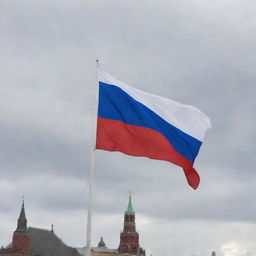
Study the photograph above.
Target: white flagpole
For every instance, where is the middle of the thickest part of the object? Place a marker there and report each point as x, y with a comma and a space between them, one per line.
90, 183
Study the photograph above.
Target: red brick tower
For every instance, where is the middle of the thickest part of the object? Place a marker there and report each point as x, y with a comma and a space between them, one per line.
129, 238
20, 240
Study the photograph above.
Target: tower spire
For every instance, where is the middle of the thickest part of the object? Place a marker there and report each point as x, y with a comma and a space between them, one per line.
130, 210
20, 239
129, 238
22, 221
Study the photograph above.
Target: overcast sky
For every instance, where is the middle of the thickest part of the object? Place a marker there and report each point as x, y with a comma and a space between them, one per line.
198, 52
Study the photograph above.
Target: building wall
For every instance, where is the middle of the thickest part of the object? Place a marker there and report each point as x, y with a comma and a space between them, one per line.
20, 241
103, 254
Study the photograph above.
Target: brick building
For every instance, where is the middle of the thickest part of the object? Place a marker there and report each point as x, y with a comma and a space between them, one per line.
20, 239
35, 242
129, 238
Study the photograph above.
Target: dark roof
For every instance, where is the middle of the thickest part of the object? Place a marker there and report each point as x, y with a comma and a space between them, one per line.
102, 243
22, 212
22, 221
46, 243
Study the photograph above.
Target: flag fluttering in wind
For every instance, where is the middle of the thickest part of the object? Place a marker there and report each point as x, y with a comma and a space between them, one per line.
138, 123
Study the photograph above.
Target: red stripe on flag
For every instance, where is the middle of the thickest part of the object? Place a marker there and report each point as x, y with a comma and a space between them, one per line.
134, 140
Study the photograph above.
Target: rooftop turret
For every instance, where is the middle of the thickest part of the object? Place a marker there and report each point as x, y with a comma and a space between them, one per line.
102, 243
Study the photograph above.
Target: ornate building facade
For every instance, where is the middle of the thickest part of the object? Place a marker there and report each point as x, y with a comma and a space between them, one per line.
129, 238
35, 242
20, 239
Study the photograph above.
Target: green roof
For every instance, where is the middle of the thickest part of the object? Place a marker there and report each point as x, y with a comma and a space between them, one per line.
130, 210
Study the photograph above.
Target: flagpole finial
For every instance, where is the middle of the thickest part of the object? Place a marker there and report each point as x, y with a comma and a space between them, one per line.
97, 62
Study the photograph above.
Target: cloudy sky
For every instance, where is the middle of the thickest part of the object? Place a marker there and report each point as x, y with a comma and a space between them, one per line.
198, 52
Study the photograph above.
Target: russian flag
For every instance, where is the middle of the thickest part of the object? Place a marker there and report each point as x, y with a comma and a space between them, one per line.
138, 123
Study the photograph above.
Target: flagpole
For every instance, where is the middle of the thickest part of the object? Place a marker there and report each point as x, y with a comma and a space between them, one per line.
90, 183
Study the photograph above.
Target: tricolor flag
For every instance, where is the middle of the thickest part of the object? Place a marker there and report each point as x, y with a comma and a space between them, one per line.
138, 123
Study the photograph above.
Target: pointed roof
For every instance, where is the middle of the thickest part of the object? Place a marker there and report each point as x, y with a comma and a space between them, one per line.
130, 210
22, 212
22, 221
102, 243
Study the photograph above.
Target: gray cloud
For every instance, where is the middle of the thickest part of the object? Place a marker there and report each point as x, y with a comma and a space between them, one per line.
198, 52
